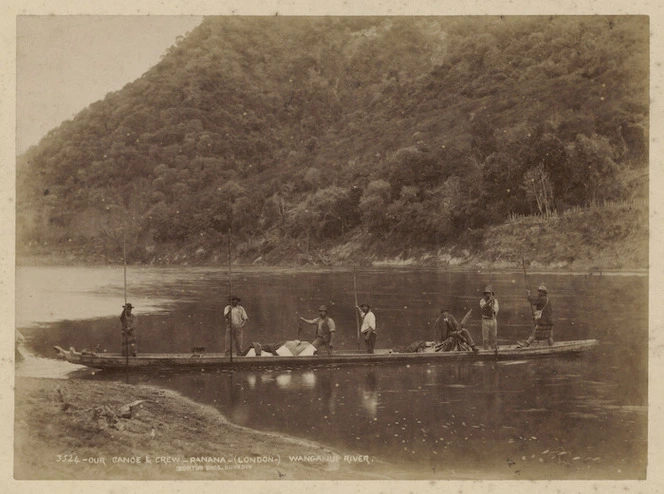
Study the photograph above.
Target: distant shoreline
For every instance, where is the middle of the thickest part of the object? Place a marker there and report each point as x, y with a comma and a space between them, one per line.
577, 268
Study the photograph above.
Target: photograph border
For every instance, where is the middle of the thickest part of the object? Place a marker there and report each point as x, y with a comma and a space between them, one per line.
12, 8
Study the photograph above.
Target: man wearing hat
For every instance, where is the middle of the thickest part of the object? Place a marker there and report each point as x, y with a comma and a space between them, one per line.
489, 311
368, 328
129, 322
543, 316
236, 317
446, 326
325, 329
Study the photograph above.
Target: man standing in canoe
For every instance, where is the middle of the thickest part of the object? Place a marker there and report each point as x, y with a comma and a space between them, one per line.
368, 328
235, 317
489, 311
129, 322
325, 329
543, 316
451, 332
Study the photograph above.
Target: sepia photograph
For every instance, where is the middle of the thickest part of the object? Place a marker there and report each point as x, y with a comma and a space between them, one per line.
332, 248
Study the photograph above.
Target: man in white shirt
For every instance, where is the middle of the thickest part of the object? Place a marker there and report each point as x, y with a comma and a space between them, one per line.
368, 328
235, 317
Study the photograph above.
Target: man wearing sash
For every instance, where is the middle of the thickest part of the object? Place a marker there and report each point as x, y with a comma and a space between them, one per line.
543, 315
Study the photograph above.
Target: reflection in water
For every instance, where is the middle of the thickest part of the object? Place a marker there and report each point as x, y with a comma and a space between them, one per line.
420, 413
308, 380
283, 380
266, 378
451, 417
234, 390
369, 394
500, 411
326, 391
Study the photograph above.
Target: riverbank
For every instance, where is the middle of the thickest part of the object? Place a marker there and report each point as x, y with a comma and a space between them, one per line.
69, 429
442, 260
591, 240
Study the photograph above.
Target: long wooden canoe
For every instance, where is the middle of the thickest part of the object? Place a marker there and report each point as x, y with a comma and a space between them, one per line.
148, 361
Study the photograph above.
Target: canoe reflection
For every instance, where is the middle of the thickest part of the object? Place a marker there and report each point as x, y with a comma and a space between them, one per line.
284, 380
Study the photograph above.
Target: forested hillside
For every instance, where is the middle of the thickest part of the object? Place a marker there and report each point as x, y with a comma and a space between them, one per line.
302, 136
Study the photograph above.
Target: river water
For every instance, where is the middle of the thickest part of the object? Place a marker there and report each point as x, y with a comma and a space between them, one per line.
560, 418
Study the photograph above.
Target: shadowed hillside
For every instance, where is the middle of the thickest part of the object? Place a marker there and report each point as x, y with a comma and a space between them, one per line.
347, 139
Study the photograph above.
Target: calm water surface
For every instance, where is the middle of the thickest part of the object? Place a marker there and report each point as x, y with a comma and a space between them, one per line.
583, 417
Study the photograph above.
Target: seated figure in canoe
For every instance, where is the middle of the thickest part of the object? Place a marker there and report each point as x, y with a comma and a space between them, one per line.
450, 336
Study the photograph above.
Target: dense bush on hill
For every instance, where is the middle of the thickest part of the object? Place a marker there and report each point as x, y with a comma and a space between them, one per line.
308, 132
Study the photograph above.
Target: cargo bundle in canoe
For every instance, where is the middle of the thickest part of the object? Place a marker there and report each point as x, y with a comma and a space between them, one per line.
149, 361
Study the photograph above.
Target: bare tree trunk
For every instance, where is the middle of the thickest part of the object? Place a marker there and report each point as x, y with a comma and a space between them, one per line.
538, 185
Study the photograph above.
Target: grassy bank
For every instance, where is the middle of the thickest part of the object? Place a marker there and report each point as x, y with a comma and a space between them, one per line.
74, 429
604, 238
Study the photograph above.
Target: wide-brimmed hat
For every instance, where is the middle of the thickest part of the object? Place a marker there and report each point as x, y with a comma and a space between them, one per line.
488, 289
127, 306
444, 308
365, 305
542, 288
322, 308
234, 297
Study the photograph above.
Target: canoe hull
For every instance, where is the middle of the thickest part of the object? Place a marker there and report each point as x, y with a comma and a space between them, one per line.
144, 362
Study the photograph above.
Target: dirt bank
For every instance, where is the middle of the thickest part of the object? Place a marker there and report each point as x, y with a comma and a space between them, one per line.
74, 429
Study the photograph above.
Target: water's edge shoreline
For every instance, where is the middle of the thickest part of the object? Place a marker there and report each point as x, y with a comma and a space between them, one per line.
58, 419
55, 414
60, 261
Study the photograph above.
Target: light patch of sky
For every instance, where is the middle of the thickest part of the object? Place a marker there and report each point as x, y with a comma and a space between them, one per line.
65, 63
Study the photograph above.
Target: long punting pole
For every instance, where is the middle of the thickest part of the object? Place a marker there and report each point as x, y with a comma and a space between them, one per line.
525, 277
231, 339
124, 262
357, 316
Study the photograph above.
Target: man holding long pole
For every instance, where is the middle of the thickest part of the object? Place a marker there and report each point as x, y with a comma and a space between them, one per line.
236, 317
368, 328
540, 308
129, 322
127, 319
543, 317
